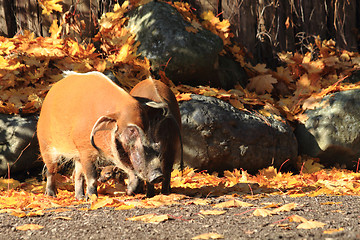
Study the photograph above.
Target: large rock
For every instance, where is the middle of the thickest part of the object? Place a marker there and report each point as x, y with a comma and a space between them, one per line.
18, 145
217, 136
332, 130
189, 58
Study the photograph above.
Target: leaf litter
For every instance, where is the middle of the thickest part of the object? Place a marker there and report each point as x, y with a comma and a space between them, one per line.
30, 65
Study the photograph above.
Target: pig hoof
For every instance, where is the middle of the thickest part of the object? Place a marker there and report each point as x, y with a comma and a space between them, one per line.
80, 196
50, 192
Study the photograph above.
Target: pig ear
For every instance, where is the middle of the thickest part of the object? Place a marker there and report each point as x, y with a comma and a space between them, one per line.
130, 134
104, 123
156, 104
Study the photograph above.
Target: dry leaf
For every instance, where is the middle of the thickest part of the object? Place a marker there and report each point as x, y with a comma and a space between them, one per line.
262, 83
310, 224
262, 212
210, 235
199, 201
285, 208
332, 230
150, 218
99, 203
29, 227
232, 203
212, 212
296, 218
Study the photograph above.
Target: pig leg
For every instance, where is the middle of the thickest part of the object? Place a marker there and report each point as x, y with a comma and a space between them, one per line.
150, 190
51, 170
167, 165
79, 181
89, 171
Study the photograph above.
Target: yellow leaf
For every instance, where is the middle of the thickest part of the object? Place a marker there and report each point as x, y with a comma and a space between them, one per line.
212, 212
311, 166
55, 29
125, 207
35, 214
210, 235
29, 227
296, 218
101, 203
49, 6
269, 172
199, 201
262, 83
330, 203
232, 203
332, 230
262, 212
310, 224
150, 218
18, 213
183, 97
285, 208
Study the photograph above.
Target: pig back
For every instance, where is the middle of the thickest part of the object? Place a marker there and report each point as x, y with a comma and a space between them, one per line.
72, 107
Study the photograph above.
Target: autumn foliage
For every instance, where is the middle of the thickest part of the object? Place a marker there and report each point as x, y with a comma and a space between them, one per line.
29, 66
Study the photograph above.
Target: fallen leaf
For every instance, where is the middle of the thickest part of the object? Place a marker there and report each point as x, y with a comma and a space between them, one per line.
285, 208
296, 218
332, 230
232, 203
29, 227
18, 213
101, 203
212, 212
330, 203
210, 235
125, 207
150, 218
310, 224
199, 201
262, 83
35, 214
262, 212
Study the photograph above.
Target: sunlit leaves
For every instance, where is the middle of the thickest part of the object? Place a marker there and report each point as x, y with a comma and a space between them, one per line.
49, 6
150, 218
29, 227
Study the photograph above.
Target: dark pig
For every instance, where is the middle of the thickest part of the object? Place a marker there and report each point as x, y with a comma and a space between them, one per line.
165, 128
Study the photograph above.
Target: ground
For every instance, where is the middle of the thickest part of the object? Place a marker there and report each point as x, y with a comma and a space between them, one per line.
340, 214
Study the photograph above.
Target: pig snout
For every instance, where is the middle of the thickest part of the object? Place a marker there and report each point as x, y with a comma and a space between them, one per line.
155, 176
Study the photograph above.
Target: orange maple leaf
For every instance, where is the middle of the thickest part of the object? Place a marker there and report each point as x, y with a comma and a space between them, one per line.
262, 83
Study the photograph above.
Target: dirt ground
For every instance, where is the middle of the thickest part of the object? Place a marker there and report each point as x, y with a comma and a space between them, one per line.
340, 214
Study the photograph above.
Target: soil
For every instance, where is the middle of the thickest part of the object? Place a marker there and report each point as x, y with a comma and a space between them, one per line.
341, 213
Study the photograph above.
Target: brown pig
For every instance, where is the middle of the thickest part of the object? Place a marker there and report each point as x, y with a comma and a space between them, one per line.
87, 118
166, 127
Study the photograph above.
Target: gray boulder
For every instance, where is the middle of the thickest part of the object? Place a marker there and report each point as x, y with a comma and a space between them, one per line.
332, 131
18, 145
217, 137
191, 58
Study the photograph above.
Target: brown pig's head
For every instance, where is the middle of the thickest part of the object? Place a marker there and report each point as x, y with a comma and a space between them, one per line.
135, 139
